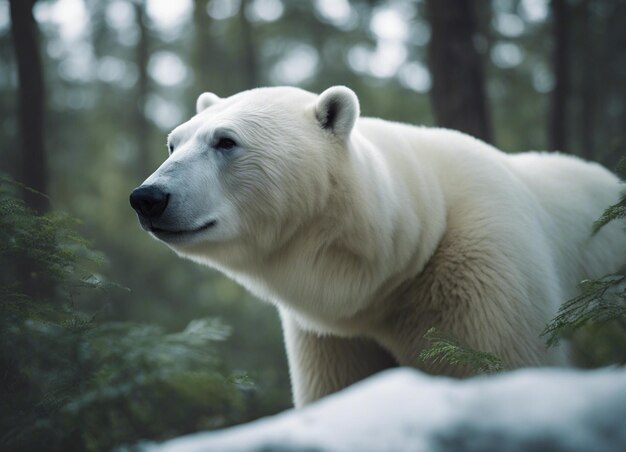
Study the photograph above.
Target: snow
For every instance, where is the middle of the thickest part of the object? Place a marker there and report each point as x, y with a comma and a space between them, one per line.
406, 410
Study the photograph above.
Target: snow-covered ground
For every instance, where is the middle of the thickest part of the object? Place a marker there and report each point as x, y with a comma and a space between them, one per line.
406, 410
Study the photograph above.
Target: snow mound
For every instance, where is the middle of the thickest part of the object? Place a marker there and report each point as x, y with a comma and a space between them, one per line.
406, 410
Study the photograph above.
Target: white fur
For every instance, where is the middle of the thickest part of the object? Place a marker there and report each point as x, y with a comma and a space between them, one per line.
337, 110
205, 100
366, 237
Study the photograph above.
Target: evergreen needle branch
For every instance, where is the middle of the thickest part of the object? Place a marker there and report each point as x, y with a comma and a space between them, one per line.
445, 349
601, 300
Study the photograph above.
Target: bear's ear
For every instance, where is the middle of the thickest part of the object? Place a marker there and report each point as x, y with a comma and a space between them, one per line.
205, 100
337, 110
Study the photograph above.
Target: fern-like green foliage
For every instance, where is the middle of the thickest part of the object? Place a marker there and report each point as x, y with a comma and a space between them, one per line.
601, 301
447, 350
40, 251
71, 381
616, 211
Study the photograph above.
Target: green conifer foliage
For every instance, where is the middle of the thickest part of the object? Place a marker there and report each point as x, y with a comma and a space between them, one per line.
596, 319
616, 211
71, 381
601, 300
445, 349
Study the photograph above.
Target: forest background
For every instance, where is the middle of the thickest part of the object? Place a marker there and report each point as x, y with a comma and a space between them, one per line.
106, 347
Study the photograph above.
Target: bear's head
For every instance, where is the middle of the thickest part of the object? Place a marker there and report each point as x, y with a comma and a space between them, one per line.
247, 171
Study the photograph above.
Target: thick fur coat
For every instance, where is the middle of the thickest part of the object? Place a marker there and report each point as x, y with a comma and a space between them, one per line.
365, 233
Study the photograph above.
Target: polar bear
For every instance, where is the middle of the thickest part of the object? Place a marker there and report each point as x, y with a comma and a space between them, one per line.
365, 233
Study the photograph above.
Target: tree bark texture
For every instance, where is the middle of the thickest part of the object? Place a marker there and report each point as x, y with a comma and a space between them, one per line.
458, 86
557, 121
587, 113
201, 52
33, 170
142, 55
248, 50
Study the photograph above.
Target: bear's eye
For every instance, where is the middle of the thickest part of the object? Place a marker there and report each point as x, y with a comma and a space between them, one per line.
171, 148
225, 144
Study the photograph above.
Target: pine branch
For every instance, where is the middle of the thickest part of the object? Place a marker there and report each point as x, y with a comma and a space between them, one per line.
106, 381
615, 212
445, 349
601, 300
618, 210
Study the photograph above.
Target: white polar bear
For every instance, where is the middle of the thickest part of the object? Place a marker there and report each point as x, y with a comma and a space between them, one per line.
365, 233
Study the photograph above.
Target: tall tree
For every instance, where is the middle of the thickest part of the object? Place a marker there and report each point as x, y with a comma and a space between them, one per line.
458, 91
201, 51
142, 55
33, 170
587, 110
612, 100
248, 49
557, 131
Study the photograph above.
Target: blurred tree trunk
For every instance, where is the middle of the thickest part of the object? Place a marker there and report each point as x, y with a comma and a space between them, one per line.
248, 50
142, 55
458, 92
557, 121
99, 28
587, 116
33, 170
611, 93
201, 53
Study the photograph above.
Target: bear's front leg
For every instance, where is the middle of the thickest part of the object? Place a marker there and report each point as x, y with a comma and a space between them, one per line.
320, 364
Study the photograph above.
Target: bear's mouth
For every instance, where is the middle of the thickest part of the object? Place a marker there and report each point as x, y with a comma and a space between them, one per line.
173, 232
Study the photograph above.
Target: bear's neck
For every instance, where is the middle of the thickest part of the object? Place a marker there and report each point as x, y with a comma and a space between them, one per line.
376, 231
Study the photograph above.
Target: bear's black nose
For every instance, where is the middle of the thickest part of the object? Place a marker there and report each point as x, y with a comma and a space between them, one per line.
149, 201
